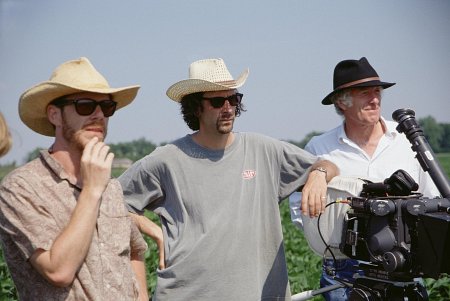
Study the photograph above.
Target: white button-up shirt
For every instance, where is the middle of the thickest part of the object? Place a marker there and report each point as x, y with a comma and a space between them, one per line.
393, 152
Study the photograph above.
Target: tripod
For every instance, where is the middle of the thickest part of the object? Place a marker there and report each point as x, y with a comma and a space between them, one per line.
306, 295
371, 289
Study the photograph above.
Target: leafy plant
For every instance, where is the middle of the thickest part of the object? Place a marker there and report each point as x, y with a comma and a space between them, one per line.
7, 288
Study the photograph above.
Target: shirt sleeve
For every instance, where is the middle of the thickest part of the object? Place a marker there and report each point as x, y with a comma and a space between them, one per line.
23, 218
137, 242
140, 186
295, 163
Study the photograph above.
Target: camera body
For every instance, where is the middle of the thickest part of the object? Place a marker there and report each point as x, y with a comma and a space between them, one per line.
402, 237
400, 234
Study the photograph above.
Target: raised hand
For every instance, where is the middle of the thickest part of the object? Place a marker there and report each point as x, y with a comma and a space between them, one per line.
96, 163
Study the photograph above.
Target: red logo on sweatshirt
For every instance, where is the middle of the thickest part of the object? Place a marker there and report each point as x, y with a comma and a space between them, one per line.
248, 174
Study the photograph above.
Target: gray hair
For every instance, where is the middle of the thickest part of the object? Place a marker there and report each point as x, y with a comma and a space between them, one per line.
343, 96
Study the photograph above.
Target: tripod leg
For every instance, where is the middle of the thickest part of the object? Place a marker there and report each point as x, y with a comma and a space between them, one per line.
306, 295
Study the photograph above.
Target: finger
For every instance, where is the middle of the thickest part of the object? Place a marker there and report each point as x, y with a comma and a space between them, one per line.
161, 264
160, 243
103, 152
320, 204
323, 203
312, 200
96, 149
311, 206
304, 203
88, 148
315, 205
109, 159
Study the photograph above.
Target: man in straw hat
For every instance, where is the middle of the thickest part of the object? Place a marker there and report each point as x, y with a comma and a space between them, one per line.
365, 146
217, 193
64, 226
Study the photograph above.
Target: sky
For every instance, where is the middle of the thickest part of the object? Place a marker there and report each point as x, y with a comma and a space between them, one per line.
290, 46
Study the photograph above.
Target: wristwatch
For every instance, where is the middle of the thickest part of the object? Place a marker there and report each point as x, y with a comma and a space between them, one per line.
321, 169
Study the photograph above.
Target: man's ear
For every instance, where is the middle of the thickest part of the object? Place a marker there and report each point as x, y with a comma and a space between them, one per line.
199, 110
54, 115
340, 105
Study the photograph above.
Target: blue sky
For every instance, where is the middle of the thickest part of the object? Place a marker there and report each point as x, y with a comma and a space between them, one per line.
291, 48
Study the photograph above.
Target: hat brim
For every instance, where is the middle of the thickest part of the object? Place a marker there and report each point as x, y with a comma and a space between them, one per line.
33, 102
185, 87
327, 99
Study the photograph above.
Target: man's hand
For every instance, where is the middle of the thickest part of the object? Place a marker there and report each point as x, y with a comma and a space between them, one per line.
96, 163
314, 193
151, 229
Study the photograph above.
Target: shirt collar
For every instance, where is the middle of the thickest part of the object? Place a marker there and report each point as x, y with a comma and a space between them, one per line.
390, 131
55, 166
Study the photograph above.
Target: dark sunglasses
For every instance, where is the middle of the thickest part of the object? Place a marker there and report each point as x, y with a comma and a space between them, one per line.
87, 106
217, 102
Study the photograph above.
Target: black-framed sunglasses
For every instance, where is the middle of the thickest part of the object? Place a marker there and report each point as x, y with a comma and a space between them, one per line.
218, 102
87, 106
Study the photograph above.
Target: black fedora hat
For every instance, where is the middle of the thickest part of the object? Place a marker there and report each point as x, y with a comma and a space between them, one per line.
354, 73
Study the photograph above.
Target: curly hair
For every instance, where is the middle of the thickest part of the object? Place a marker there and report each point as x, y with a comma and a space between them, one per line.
191, 104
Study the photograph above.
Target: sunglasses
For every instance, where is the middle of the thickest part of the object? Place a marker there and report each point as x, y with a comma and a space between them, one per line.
87, 106
217, 102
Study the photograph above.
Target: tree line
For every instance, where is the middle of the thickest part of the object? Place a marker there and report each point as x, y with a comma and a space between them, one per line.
437, 134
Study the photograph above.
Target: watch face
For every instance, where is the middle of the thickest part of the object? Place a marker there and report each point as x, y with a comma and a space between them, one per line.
321, 169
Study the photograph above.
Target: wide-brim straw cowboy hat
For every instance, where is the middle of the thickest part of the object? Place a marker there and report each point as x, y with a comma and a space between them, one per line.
204, 76
68, 78
354, 73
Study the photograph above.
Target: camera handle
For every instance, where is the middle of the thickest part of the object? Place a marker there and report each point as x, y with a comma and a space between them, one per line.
407, 125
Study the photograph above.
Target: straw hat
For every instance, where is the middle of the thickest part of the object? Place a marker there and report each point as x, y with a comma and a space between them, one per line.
354, 73
206, 75
68, 78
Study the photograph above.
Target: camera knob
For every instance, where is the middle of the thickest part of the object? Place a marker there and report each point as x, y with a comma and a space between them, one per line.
393, 261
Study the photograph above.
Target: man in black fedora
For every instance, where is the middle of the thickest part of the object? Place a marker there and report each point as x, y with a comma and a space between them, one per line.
364, 145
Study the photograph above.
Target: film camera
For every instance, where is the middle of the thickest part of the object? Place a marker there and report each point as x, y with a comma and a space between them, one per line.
396, 234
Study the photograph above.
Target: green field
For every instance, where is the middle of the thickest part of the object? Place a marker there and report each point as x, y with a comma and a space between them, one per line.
303, 265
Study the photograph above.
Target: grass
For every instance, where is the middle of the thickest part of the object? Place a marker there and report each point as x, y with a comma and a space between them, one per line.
444, 161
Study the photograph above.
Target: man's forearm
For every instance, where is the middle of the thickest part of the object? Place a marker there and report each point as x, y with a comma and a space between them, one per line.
60, 264
331, 169
138, 266
148, 227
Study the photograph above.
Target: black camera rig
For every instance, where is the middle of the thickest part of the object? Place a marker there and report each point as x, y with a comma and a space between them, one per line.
398, 234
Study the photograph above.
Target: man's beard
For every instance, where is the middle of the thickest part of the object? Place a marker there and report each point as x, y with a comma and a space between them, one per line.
224, 129
75, 137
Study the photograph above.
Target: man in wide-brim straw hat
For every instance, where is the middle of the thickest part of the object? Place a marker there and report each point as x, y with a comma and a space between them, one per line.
217, 193
69, 78
63, 223
364, 145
